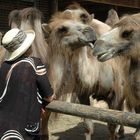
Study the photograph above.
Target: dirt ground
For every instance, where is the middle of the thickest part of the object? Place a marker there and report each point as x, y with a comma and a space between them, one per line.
72, 128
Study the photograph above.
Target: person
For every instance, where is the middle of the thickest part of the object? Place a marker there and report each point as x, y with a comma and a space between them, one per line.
24, 86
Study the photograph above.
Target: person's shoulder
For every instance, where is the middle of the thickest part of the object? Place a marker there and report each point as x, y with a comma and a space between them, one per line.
24, 64
38, 62
36, 59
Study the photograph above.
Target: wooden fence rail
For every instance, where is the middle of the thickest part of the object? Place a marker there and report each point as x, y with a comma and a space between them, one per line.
105, 115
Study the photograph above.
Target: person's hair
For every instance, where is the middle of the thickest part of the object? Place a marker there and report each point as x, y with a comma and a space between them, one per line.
27, 53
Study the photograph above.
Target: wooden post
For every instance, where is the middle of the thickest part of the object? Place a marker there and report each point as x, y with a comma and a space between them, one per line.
105, 115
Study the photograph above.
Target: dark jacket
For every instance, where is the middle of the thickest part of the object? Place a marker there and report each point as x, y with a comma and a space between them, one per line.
21, 98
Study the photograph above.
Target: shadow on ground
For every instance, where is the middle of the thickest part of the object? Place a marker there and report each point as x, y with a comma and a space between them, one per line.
77, 133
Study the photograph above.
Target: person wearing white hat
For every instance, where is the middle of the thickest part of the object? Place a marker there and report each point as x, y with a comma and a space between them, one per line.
24, 85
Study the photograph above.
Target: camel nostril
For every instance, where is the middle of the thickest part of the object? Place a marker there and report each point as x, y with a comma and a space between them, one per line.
79, 29
90, 34
88, 29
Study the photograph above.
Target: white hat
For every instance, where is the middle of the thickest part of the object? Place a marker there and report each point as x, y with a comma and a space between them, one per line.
17, 42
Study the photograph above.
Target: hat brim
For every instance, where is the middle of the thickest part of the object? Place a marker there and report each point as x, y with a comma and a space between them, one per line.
11, 56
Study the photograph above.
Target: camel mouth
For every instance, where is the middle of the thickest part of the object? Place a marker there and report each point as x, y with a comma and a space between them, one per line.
105, 56
104, 50
85, 42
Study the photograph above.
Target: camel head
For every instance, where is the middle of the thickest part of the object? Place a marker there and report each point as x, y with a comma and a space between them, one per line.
68, 33
123, 39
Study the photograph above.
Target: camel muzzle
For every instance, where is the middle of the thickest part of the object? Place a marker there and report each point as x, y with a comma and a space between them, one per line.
105, 50
90, 34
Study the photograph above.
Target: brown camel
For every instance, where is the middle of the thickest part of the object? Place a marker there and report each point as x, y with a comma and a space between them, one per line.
89, 77
124, 41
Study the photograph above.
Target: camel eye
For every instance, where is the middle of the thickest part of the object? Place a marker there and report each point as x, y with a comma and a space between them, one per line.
127, 34
84, 17
63, 29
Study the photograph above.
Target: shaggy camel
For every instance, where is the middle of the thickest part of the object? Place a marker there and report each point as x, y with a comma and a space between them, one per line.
124, 41
103, 81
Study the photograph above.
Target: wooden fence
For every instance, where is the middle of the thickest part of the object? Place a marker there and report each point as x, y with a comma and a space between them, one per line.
105, 115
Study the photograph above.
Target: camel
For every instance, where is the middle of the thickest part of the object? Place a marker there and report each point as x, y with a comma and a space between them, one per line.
89, 77
123, 42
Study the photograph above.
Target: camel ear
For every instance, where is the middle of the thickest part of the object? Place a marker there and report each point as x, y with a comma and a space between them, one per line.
92, 15
67, 13
47, 30
112, 18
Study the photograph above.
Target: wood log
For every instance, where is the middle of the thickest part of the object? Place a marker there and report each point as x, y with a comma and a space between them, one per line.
105, 115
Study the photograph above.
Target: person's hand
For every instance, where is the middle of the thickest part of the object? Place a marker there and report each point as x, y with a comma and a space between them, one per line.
51, 98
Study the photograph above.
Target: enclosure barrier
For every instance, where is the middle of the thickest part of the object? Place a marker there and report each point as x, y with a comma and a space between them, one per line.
105, 115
